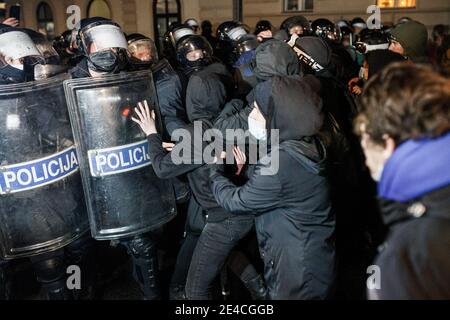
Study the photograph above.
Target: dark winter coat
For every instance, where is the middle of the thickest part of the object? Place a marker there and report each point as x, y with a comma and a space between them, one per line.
206, 95
170, 97
294, 219
414, 262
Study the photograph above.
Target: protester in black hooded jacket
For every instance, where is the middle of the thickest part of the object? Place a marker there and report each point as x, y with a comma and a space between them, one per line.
294, 219
207, 92
272, 58
359, 229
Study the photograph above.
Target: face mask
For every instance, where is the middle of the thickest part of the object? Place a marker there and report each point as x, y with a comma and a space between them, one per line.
362, 75
104, 61
13, 75
257, 129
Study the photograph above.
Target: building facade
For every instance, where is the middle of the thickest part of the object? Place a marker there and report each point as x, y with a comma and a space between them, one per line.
148, 16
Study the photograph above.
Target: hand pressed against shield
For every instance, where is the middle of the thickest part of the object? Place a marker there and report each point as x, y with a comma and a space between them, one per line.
146, 118
240, 159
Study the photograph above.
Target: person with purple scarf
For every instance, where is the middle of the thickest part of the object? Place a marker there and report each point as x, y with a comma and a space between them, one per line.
404, 126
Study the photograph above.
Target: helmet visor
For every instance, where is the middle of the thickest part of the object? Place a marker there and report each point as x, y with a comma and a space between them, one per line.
236, 33
15, 46
176, 35
103, 37
144, 51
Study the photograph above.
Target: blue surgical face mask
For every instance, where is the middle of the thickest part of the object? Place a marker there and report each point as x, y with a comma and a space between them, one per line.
257, 129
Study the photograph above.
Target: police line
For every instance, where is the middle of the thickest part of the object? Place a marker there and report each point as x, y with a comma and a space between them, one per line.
41, 172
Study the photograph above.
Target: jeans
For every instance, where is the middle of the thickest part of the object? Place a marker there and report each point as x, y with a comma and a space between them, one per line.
213, 247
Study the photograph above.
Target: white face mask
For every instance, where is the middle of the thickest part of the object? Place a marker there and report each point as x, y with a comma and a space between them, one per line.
257, 129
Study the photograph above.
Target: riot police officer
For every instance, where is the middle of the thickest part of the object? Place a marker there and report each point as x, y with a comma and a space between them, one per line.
175, 33
298, 25
35, 129
228, 33
67, 48
343, 63
123, 219
103, 46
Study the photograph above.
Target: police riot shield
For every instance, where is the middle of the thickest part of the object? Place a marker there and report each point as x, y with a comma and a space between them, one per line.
41, 195
124, 196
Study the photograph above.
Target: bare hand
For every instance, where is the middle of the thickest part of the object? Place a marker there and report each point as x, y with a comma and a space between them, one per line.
240, 159
168, 146
146, 119
12, 22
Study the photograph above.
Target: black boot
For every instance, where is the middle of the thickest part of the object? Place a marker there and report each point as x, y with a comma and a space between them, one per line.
51, 274
257, 288
82, 253
145, 265
177, 293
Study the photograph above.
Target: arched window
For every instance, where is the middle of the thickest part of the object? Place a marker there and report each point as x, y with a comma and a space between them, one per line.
45, 21
165, 12
99, 8
2, 10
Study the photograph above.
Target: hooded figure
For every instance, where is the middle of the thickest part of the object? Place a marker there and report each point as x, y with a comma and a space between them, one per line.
272, 58
294, 220
413, 37
207, 93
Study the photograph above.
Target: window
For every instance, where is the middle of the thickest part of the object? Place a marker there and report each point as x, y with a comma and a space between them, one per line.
2, 9
165, 12
298, 5
99, 8
45, 20
396, 3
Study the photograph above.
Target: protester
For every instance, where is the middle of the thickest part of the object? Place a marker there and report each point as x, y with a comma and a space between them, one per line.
410, 39
404, 121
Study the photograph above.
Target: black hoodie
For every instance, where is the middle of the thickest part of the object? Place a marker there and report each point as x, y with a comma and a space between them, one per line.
207, 93
295, 224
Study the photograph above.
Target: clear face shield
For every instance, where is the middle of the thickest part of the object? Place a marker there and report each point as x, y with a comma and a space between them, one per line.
103, 37
335, 35
105, 46
47, 51
176, 35
236, 33
143, 52
17, 49
246, 44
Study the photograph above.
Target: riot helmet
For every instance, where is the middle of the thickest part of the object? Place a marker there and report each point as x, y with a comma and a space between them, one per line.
224, 30
296, 25
245, 44
193, 24
194, 52
327, 30
51, 65
177, 33
358, 24
18, 55
44, 46
263, 25
104, 44
142, 50
344, 23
